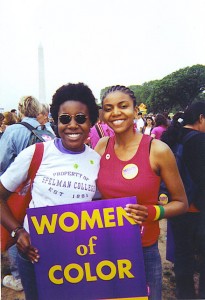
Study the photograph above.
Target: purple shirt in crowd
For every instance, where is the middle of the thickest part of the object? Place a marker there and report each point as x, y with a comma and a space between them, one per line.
157, 131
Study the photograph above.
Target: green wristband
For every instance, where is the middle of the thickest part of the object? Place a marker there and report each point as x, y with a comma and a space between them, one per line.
162, 212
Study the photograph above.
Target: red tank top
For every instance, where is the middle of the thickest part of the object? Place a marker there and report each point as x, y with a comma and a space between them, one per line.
134, 177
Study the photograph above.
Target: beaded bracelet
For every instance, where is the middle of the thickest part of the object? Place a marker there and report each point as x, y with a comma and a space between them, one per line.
155, 212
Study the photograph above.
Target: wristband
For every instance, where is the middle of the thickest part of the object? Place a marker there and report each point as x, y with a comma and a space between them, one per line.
155, 212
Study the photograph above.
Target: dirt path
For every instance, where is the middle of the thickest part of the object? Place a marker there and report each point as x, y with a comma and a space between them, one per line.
168, 283
168, 276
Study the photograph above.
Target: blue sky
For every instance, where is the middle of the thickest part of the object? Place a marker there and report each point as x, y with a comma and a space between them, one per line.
98, 42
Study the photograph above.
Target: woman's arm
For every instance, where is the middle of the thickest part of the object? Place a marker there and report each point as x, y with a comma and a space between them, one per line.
7, 219
164, 164
10, 223
10, 181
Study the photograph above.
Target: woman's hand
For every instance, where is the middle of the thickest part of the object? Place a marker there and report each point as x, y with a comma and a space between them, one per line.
138, 212
24, 245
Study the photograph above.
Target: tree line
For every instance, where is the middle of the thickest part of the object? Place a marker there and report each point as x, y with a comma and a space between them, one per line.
172, 93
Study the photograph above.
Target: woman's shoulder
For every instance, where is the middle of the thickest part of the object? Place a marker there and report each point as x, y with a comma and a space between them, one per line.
29, 151
158, 147
102, 144
92, 152
155, 128
160, 155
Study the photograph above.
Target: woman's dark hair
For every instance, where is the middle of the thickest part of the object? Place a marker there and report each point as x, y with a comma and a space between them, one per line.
193, 112
120, 88
160, 120
74, 92
149, 118
191, 115
173, 133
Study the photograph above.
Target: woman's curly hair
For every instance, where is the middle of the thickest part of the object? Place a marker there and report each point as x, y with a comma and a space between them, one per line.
74, 92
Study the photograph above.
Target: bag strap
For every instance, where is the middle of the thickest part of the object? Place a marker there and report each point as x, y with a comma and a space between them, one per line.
189, 135
34, 166
99, 130
36, 160
32, 129
27, 125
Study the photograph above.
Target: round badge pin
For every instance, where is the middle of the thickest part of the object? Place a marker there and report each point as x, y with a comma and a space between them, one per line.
107, 156
130, 171
163, 198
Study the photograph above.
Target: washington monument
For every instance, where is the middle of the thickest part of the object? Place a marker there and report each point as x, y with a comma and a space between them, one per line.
41, 74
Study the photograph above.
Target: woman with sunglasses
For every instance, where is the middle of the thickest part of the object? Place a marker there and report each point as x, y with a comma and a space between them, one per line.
66, 162
133, 164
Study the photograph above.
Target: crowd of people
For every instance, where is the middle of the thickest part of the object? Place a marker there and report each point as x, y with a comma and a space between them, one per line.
131, 153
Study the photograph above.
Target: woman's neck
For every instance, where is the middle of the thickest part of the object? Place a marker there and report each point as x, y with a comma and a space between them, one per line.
125, 140
125, 147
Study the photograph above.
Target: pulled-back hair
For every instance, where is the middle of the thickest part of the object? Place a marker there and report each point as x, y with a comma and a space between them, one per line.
29, 106
74, 92
172, 135
120, 88
193, 112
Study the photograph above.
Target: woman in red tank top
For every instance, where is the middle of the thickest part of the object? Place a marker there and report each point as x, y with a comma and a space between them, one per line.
132, 164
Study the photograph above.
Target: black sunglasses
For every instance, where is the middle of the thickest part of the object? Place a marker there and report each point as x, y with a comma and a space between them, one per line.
66, 118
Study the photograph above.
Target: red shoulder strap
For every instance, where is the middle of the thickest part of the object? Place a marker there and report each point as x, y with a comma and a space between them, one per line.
34, 165
36, 160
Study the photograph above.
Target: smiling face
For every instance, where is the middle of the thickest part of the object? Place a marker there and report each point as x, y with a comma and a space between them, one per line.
119, 112
149, 122
73, 135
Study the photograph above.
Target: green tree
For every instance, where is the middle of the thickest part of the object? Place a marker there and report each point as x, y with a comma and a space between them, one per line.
143, 92
179, 89
173, 92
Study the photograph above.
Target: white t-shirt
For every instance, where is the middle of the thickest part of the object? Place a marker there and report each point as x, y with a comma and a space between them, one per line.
140, 124
62, 178
147, 130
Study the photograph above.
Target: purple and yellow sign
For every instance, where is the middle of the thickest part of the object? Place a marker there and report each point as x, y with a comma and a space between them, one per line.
89, 250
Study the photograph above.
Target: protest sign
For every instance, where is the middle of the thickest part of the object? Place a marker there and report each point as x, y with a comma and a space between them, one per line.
89, 250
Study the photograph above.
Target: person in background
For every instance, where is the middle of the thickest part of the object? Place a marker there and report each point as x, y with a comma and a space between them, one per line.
2, 126
149, 125
13, 141
139, 121
160, 126
16, 137
166, 115
133, 164
53, 125
43, 117
99, 130
74, 109
14, 111
9, 118
189, 229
